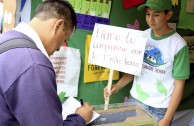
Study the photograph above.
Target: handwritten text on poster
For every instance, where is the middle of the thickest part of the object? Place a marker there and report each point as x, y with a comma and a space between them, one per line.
117, 48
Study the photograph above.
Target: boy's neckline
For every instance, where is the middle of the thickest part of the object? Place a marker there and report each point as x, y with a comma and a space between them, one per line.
162, 37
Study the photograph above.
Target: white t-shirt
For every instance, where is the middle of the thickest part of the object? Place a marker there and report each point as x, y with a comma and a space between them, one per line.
165, 59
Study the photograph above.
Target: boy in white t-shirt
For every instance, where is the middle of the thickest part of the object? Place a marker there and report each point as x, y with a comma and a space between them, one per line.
165, 68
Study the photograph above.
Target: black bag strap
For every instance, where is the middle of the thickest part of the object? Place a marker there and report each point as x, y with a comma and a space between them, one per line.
17, 43
16, 123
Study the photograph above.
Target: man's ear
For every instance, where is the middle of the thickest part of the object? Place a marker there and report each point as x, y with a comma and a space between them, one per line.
169, 15
59, 25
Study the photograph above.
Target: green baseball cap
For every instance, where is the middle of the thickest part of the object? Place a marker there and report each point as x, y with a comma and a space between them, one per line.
158, 5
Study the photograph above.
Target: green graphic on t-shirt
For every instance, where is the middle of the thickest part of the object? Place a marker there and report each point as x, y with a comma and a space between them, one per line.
142, 96
161, 88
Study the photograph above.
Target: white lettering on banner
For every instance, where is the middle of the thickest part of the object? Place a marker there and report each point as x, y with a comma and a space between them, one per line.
117, 48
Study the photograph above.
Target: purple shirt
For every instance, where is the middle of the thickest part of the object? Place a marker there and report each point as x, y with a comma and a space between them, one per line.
28, 89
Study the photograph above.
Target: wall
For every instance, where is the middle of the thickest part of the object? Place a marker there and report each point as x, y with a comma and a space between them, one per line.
93, 92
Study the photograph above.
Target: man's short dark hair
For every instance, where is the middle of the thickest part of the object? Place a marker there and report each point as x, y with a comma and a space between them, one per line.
59, 9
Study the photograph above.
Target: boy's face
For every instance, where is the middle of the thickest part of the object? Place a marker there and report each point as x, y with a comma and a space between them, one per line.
156, 19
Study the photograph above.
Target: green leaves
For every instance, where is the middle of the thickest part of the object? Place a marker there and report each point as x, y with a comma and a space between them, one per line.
142, 96
161, 88
62, 96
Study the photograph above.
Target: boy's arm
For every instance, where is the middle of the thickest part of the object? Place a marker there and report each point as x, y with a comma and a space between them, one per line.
126, 78
175, 100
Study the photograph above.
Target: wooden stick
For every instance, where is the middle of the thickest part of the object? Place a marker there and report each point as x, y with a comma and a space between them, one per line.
108, 88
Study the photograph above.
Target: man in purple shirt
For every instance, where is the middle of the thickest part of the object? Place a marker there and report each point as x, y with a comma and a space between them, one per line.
28, 93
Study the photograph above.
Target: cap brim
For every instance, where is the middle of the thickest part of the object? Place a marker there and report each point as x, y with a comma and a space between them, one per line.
141, 7
154, 7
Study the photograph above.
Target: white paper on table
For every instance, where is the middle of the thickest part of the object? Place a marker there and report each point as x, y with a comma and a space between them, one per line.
70, 106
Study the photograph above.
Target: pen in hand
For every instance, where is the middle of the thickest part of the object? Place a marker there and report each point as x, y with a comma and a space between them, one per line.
82, 102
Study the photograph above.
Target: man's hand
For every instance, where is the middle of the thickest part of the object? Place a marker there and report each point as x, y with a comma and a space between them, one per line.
86, 111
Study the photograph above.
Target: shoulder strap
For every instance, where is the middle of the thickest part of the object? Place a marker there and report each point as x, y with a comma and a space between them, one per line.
16, 123
17, 43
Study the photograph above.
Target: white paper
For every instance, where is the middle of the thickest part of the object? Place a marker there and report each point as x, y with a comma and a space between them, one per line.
67, 65
70, 106
117, 48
